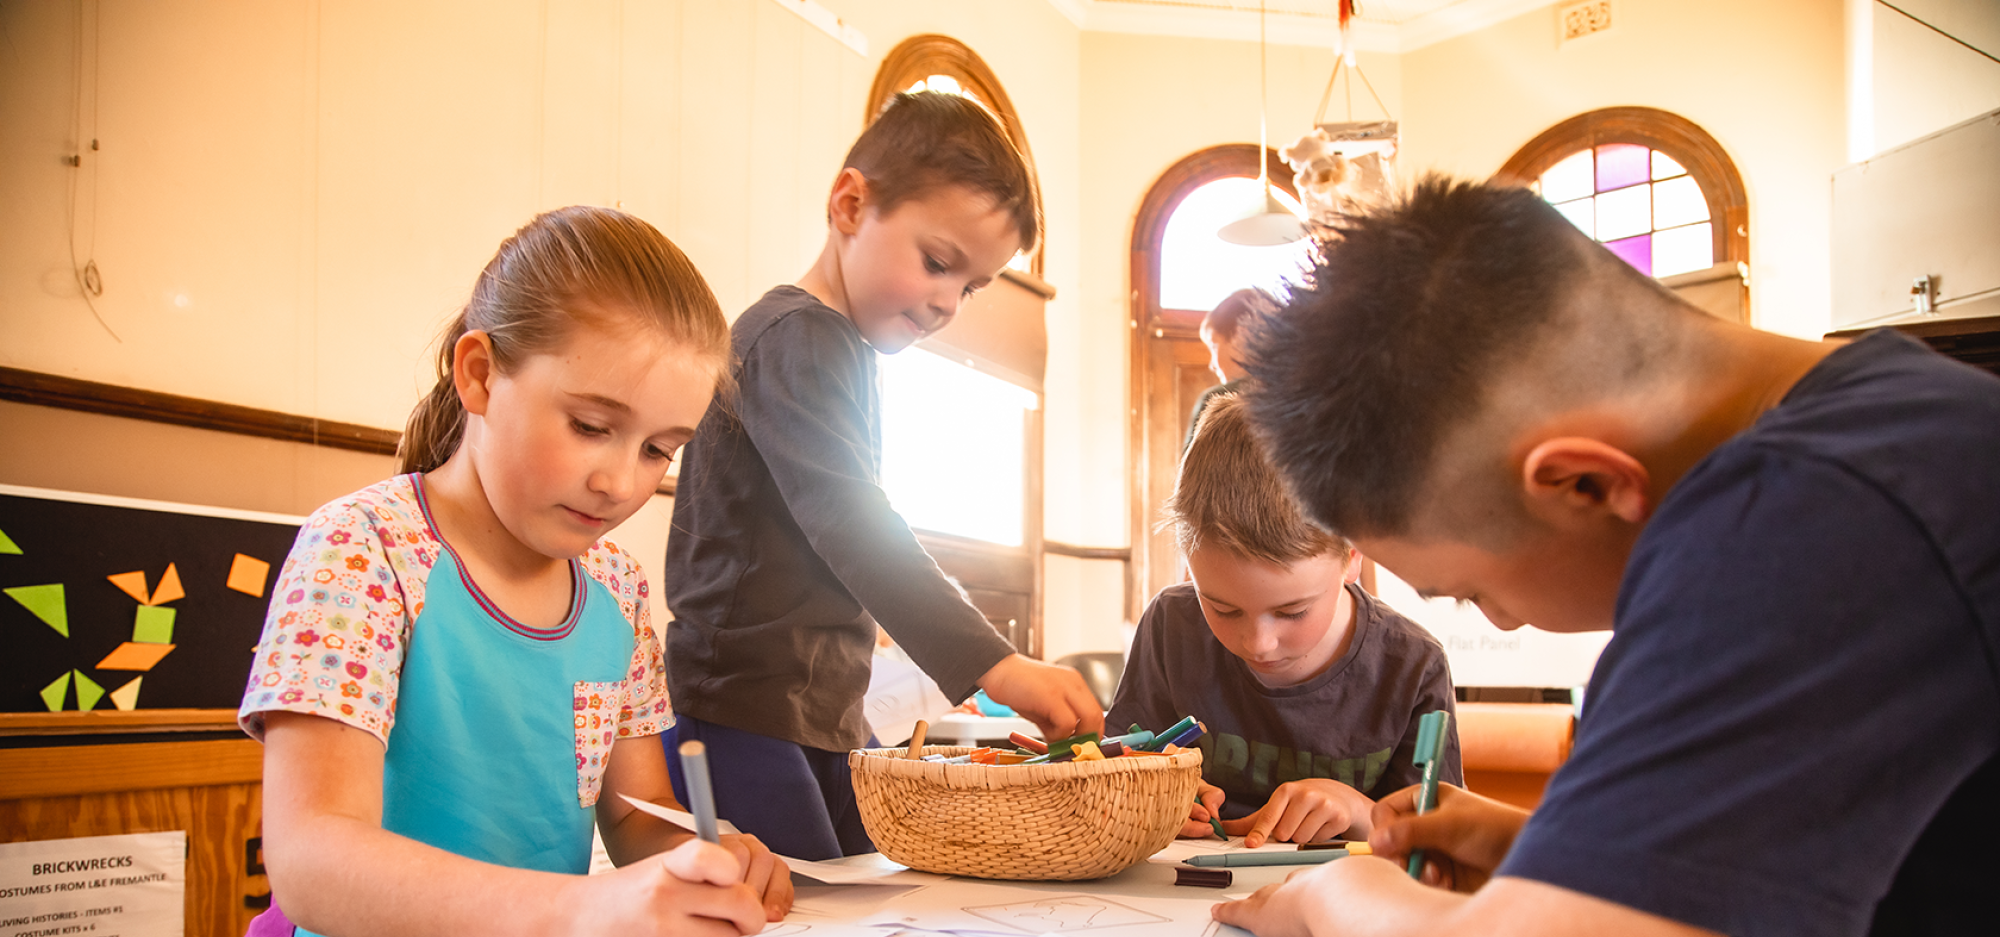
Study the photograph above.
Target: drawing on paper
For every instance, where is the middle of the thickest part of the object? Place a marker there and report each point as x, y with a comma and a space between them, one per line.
1065, 913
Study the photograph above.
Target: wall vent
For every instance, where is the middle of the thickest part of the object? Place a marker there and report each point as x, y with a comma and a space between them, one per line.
1577, 20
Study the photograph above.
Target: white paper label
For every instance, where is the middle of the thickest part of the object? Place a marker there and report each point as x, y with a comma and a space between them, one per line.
103, 886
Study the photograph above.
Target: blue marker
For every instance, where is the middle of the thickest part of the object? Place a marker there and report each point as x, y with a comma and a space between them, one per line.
1428, 756
694, 769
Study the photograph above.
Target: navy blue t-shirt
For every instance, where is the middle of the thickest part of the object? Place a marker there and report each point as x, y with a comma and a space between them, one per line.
1794, 725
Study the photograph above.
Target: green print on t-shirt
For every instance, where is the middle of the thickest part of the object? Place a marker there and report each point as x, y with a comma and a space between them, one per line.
1233, 763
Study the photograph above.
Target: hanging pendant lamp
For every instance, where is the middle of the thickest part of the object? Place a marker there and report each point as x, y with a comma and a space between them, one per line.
1267, 223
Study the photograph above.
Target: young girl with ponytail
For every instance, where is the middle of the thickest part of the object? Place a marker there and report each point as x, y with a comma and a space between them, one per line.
457, 676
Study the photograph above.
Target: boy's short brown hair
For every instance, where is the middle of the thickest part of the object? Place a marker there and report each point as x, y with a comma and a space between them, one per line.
1229, 496
928, 140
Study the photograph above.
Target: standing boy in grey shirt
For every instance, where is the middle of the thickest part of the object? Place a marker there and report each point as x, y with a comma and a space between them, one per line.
785, 553
1309, 686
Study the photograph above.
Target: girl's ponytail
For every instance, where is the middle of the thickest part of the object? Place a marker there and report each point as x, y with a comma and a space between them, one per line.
438, 422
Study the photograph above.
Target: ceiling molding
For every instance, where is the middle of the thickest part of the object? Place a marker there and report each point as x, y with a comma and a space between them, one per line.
1291, 29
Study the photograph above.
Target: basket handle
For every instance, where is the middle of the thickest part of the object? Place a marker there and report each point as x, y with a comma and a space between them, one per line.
917, 740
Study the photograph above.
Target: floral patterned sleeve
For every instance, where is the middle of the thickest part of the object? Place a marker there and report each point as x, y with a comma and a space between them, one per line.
646, 710
339, 619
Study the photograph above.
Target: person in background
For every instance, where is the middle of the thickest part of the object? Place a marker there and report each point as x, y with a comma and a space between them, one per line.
785, 552
1219, 330
1310, 687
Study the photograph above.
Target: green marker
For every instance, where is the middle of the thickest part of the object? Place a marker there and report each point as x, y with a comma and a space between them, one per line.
1428, 756
1282, 857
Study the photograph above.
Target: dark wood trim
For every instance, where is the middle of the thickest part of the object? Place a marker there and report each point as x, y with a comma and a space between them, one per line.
117, 722
927, 54
1683, 139
1058, 548
68, 393
1149, 228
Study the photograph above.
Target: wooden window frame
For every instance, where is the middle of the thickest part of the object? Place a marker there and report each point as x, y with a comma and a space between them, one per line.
1672, 134
1149, 320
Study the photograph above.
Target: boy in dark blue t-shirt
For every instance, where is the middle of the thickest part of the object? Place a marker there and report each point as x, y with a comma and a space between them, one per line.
1796, 544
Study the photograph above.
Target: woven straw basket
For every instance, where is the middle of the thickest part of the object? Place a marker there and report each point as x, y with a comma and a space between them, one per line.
1075, 820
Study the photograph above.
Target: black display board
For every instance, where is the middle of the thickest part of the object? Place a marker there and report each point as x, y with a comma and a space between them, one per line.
78, 541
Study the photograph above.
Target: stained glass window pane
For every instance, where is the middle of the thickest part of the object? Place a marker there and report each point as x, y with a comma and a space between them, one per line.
1677, 202
1664, 166
1569, 179
1624, 213
1620, 165
1679, 250
1582, 213
1636, 251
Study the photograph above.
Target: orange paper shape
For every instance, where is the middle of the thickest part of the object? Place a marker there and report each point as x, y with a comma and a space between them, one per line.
135, 655
170, 587
132, 584
247, 574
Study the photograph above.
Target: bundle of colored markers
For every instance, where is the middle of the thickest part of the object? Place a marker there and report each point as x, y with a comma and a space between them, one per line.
1085, 747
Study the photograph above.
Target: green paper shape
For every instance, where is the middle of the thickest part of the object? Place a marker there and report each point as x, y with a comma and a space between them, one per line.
47, 604
154, 624
87, 692
7, 544
53, 693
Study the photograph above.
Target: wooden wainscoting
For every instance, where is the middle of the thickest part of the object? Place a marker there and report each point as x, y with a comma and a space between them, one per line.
212, 789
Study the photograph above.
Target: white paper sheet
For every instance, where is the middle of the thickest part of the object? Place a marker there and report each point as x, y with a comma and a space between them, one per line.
133, 884
967, 907
871, 869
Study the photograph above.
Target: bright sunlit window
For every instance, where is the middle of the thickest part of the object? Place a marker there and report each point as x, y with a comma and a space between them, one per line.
954, 447
1199, 269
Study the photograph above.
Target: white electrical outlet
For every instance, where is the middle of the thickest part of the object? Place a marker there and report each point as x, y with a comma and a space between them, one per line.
1577, 20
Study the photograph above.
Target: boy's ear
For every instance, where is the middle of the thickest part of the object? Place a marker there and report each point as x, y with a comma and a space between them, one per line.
1579, 477
1351, 570
472, 370
848, 201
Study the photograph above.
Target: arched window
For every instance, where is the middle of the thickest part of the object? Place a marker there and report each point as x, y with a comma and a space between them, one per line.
1656, 190
1176, 257
932, 62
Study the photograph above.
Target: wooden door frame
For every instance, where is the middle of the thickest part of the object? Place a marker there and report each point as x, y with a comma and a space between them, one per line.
1147, 316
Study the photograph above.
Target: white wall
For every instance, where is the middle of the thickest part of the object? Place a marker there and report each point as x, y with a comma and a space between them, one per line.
1922, 82
1765, 79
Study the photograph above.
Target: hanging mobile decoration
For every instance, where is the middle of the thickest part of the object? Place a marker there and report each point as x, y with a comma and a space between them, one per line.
1345, 168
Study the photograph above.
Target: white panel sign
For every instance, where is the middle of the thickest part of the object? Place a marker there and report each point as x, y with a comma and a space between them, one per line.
103, 886
1483, 655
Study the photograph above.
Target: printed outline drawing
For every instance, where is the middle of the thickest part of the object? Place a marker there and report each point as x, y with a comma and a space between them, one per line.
1097, 913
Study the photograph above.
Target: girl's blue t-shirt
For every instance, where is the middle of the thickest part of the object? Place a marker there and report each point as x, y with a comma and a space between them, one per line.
496, 733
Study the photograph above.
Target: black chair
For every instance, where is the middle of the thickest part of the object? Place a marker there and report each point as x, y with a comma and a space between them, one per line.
1100, 669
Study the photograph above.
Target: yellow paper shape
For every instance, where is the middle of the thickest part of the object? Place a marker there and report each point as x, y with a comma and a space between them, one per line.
132, 584
247, 574
170, 587
52, 695
47, 604
135, 655
87, 692
153, 625
127, 697
7, 544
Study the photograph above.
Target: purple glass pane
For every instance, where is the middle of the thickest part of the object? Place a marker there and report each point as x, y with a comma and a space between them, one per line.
1636, 251
1622, 164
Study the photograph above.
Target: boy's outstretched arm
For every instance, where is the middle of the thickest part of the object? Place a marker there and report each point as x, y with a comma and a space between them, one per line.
335, 869
1054, 698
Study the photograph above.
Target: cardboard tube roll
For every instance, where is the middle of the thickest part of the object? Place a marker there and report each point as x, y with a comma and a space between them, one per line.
1514, 736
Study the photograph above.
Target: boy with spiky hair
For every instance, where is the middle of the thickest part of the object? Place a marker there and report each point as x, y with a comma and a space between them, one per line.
1310, 687
1796, 545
